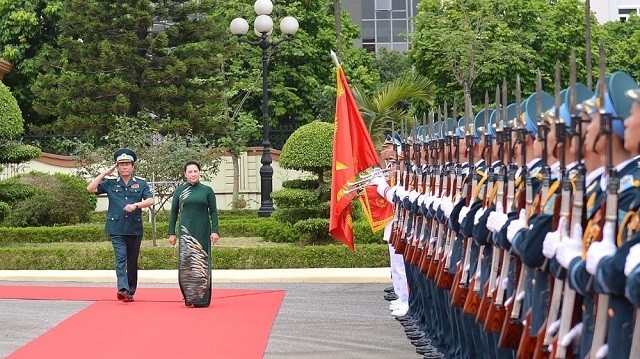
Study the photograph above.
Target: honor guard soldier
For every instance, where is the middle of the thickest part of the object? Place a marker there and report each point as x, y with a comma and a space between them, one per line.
605, 259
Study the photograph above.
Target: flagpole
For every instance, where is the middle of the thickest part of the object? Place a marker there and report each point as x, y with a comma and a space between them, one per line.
334, 57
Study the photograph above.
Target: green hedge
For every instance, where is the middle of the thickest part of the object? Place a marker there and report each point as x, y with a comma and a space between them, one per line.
326, 256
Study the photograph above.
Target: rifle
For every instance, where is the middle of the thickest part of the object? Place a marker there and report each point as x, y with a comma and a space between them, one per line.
569, 309
421, 222
546, 337
512, 328
497, 312
611, 213
487, 295
426, 174
443, 277
400, 242
460, 282
528, 343
412, 233
395, 229
442, 188
472, 301
425, 260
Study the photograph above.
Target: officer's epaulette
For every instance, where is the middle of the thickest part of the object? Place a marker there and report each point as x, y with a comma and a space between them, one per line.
630, 178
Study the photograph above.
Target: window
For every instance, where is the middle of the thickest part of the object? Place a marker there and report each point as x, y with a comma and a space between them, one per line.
623, 13
383, 5
399, 5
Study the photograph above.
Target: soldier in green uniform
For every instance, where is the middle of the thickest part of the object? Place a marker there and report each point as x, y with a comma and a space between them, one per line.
127, 195
195, 204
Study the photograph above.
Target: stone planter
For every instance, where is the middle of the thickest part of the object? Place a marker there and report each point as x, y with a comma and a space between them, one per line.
5, 68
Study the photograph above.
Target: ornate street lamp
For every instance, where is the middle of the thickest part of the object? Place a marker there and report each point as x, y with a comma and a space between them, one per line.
263, 26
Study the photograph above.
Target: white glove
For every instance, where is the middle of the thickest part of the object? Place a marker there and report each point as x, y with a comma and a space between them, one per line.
413, 196
436, 203
390, 193
496, 221
402, 193
573, 336
633, 259
516, 225
570, 247
463, 213
552, 239
602, 352
599, 250
421, 199
499, 207
428, 200
447, 206
381, 183
479, 214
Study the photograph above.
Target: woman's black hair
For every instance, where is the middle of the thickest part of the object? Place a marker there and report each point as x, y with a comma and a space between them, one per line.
191, 162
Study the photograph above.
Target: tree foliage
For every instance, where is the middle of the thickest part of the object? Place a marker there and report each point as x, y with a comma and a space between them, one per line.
309, 148
11, 126
25, 26
390, 104
136, 59
468, 46
301, 74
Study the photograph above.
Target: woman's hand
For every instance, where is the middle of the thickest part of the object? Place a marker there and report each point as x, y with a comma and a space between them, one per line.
214, 238
173, 239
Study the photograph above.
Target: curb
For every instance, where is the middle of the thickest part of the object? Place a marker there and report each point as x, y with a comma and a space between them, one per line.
302, 275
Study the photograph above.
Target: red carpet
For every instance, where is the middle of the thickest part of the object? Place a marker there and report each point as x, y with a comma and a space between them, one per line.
156, 325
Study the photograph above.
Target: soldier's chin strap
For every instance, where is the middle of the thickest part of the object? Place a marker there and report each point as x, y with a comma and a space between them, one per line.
603, 131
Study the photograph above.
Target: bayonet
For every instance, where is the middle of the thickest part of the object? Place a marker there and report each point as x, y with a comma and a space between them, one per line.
611, 214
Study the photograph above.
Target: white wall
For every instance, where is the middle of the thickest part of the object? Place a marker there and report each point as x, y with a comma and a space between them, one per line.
222, 183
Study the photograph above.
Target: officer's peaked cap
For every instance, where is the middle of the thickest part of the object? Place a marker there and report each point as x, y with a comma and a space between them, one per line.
124, 155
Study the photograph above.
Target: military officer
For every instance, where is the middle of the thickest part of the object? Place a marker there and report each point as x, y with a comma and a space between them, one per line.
127, 196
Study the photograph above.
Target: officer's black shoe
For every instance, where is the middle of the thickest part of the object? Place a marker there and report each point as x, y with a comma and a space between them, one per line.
421, 342
122, 294
390, 296
388, 289
403, 318
408, 323
426, 349
411, 328
433, 355
416, 335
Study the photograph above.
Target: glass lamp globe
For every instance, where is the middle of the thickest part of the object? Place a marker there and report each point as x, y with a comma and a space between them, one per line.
263, 7
263, 24
239, 26
289, 25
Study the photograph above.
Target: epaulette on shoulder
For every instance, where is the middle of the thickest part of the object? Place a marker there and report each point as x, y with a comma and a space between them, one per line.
629, 181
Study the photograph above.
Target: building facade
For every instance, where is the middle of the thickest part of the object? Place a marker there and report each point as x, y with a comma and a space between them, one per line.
389, 23
384, 23
614, 10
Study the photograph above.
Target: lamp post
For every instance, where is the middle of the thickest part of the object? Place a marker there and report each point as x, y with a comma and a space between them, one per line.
263, 26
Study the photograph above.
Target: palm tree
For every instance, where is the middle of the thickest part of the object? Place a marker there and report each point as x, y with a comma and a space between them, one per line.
389, 105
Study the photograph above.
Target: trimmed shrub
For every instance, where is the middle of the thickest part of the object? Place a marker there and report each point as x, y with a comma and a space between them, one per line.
57, 199
308, 184
294, 198
294, 215
315, 231
363, 234
72, 258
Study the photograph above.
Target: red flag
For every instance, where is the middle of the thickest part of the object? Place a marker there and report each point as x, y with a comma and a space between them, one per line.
376, 208
353, 152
